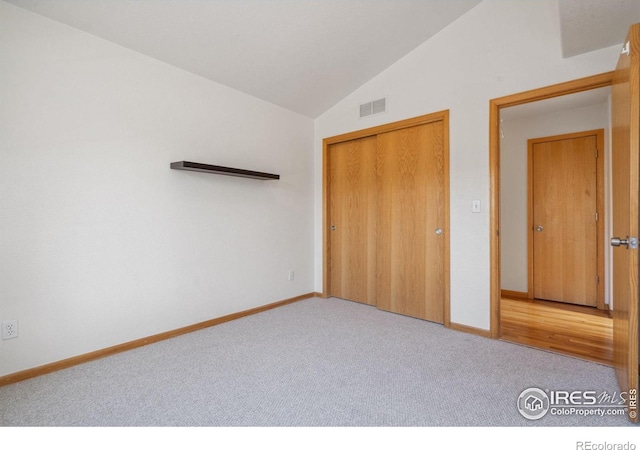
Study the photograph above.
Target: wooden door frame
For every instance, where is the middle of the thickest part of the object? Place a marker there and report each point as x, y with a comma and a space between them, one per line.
556, 90
599, 134
407, 123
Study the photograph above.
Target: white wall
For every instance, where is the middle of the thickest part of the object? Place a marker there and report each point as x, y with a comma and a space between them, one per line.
499, 48
513, 184
100, 242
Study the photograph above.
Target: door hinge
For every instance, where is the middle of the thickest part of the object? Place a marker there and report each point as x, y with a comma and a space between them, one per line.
596, 153
597, 217
597, 279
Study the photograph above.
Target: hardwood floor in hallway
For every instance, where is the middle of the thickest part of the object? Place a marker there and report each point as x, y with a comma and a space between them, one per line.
582, 332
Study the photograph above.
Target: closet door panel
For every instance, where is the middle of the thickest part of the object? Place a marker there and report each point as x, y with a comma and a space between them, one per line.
410, 209
352, 197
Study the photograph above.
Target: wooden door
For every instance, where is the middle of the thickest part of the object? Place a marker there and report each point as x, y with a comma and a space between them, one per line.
625, 105
411, 210
352, 203
564, 217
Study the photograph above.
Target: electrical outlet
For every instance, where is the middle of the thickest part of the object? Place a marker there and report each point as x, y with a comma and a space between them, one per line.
10, 329
291, 275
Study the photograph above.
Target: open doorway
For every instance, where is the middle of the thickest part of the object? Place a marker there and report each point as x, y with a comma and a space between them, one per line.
554, 169
516, 121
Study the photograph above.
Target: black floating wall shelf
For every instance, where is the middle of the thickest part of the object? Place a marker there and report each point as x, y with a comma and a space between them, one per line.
208, 168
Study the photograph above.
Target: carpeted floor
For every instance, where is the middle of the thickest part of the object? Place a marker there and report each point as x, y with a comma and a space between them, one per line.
328, 363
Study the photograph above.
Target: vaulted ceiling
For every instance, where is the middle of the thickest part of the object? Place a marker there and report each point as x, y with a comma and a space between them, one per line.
304, 55
588, 25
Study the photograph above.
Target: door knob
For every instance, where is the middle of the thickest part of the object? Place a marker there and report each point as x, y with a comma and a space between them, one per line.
539, 228
628, 242
438, 231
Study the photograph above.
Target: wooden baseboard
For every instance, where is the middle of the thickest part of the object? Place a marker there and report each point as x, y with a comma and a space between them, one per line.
471, 330
80, 359
514, 295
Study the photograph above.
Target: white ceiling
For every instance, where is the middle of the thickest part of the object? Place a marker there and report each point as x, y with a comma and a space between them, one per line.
304, 55
588, 25
583, 99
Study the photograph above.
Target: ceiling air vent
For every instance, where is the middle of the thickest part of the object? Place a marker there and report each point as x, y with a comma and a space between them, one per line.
374, 107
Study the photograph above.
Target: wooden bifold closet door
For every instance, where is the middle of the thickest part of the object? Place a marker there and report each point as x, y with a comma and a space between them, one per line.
388, 221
